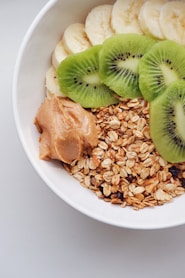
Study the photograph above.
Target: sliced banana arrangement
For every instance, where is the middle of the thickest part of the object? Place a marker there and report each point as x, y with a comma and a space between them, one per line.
158, 19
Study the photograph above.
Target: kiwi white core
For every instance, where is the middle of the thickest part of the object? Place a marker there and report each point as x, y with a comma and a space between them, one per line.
169, 75
130, 64
92, 79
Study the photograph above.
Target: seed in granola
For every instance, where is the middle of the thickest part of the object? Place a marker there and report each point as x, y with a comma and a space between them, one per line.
130, 178
174, 171
182, 180
119, 195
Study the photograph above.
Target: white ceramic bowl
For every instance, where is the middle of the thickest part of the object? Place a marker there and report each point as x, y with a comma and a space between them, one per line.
33, 61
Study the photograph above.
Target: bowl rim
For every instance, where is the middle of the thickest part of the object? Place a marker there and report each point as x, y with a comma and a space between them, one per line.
38, 170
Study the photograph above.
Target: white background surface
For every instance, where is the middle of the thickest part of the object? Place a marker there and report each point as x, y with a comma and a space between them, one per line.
40, 235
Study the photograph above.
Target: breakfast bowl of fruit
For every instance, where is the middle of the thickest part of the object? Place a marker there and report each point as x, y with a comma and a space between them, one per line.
99, 105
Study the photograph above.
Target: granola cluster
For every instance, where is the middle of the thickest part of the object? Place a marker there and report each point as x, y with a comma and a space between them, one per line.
125, 167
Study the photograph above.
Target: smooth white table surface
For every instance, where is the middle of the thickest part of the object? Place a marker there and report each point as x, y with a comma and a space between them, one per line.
40, 235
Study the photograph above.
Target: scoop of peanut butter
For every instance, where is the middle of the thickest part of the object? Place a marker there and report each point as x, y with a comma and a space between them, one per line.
67, 130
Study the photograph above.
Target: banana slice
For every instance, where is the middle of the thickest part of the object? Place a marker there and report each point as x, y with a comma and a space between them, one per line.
59, 54
149, 18
125, 16
97, 24
75, 38
172, 21
52, 85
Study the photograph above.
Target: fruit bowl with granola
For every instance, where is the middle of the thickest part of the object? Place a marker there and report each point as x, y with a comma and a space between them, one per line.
99, 105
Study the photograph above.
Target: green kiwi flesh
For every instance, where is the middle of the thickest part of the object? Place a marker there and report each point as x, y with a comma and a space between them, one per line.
119, 59
79, 79
162, 65
167, 122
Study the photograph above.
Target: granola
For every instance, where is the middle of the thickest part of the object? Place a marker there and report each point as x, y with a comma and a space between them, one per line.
125, 167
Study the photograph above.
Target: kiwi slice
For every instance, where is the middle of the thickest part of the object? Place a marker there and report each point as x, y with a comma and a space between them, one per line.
79, 79
161, 66
119, 59
167, 122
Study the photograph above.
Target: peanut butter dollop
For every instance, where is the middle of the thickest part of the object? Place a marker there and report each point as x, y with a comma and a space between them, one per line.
67, 130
